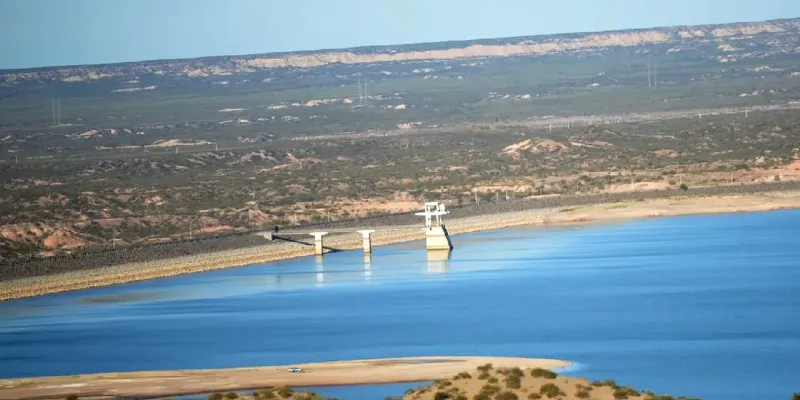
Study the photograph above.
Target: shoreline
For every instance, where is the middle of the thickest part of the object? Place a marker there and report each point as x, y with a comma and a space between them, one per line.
582, 215
155, 384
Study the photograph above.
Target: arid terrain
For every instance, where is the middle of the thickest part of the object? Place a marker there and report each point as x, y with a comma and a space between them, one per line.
98, 157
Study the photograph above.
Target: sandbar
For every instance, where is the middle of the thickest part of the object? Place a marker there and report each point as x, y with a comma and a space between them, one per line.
155, 384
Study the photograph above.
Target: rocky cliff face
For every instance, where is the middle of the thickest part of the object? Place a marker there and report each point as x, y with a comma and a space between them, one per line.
771, 37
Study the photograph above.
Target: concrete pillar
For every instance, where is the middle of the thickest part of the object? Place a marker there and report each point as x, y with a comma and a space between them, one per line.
318, 249
366, 234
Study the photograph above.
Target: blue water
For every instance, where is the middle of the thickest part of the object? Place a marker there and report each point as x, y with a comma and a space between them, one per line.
704, 306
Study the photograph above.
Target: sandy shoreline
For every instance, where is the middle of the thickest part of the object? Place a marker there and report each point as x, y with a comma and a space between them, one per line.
152, 384
600, 213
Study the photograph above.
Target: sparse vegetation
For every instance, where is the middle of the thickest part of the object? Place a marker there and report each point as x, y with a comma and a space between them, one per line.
543, 373
551, 390
462, 375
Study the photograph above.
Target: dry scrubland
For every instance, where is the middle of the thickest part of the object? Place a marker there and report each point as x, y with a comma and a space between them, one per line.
283, 250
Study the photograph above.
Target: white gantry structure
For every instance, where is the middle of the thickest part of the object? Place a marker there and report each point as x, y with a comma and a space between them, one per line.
436, 236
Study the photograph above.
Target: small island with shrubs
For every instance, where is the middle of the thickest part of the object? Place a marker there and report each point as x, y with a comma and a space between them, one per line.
490, 383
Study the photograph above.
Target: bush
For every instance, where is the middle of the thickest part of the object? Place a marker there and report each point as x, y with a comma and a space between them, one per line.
506, 396
484, 375
543, 373
441, 396
231, 396
492, 380
684, 187
485, 367
72, 397
796, 396
622, 393
215, 396
513, 382
481, 396
534, 396
550, 390
462, 375
285, 392
265, 394
490, 390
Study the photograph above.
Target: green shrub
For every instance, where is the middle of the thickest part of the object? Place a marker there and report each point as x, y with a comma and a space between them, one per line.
485, 367
462, 375
550, 390
490, 390
543, 373
484, 375
582, 394
441, 396
265, 394
285, 392
215, 396
534, 396
622, 393
72, 397
492, 380
231, 396
796, 396
481, 396
442, 383
506, 396
513, 382
684, 187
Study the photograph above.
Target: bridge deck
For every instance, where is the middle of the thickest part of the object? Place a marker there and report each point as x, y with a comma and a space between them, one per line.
289, 231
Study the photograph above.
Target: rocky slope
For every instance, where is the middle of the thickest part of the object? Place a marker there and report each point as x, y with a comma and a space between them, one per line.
724, 43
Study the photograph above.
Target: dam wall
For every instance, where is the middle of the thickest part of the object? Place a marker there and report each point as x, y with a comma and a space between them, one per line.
99, 258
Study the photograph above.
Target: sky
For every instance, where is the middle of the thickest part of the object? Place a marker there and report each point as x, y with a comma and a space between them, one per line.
37, 33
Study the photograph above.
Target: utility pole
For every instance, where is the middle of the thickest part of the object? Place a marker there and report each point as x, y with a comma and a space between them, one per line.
53, 106
496, 197
113, 238
190, 229
360, 97
655, 77
648, 74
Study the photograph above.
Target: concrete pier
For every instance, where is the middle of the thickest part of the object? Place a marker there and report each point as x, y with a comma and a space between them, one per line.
367, 236
437, 238
318, 248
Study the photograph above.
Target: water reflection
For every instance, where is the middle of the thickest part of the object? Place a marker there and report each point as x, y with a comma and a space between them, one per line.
437, 261
320, 268
367, 266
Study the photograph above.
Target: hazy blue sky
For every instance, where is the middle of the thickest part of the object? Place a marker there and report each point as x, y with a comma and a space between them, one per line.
63, 32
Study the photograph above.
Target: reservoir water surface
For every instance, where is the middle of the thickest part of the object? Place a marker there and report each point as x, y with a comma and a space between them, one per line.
703, 306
